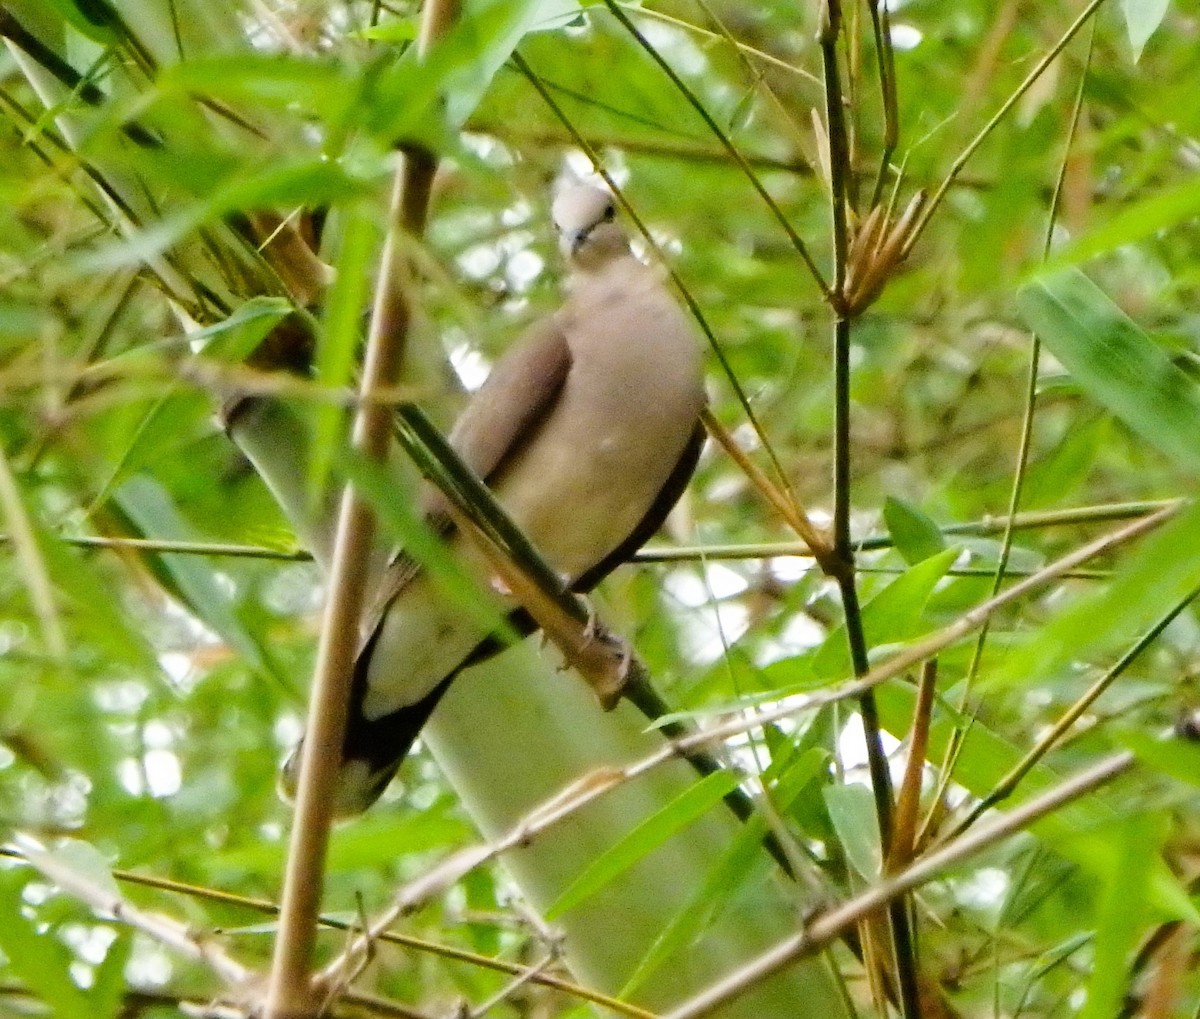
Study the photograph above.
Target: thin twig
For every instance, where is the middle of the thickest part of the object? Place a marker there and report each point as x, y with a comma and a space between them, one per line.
1075, 516
163, 929
816, 543
796, 241
1025, 444
964, 157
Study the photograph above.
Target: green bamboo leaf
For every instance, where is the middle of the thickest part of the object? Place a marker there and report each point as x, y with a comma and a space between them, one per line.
894, 615
393, 30
730, 873
310, 180
150, 507
237, 337
1116, 363
1179, 758
647, 836
852, 811
338, 340
107, 993
487, 36
1122, 913
458, 70
372, 841
233, 339
325, 87
915, 535
733, 870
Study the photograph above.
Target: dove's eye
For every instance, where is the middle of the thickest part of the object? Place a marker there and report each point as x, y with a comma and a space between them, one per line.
610, 212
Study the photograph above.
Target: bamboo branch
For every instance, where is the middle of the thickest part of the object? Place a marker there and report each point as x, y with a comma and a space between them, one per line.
288, 990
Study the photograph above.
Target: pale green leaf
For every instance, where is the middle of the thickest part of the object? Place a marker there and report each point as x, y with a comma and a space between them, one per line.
235, 338
852, 811
151, 508
647, 836
1142, 18
893, 615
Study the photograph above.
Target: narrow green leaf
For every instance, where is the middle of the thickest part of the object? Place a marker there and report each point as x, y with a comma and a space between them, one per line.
1142, 18
1053, 479
915, 535
372, 841
1142, 218
457, 72
158, 428
238, 336
1116, 363
151, 509
1121, 914
305, 181
1179, 758
391, 30
338, 340
893, 615
647, 836
852, 811
322, 86
490, 32
107, 993
730, 873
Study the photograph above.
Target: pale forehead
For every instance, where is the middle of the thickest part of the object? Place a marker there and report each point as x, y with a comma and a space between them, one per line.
580, 205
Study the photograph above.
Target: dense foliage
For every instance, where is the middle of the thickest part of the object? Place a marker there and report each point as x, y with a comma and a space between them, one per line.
148, 694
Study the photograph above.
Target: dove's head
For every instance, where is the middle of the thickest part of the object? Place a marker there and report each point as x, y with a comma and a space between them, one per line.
588, 234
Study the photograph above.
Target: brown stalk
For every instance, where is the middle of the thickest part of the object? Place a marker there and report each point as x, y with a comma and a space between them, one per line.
289, 993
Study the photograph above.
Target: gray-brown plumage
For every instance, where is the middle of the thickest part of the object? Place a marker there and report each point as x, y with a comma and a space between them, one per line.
587, 430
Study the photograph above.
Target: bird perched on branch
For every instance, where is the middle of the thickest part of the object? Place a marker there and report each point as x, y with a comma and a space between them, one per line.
587, 431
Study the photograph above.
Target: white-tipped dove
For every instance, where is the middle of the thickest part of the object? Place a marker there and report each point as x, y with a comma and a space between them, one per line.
587, 431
